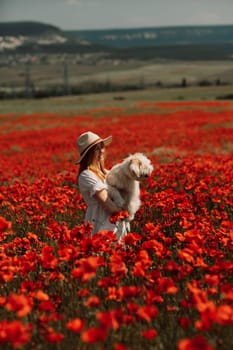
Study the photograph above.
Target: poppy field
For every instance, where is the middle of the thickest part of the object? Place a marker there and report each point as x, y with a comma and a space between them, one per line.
168, 284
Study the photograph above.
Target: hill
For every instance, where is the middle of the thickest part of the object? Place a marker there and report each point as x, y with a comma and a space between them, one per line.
29, 28
158, 36
36, 37
182, 43
174, 43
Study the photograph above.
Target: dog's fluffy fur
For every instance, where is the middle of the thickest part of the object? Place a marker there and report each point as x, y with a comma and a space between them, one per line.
124, 182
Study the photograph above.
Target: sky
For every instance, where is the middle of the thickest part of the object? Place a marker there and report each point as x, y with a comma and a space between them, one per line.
107, 14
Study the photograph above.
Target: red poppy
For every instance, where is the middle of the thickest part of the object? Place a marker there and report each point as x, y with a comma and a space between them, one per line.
15, 332
41, 296
185, 322
83, 292
52, 336
117, 265
48, 259
149, 333
4, 224
119, 216
147, 312
75, 325
119, 346
87, 268
224, 315
196, 343
46, 305
20, 304
94, 335
93, 301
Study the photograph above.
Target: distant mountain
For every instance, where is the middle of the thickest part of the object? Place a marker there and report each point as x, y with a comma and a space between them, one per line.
187, 42
36, 37
159, 36
27, 28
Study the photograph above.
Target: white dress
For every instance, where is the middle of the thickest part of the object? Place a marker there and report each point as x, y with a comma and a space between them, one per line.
89, 184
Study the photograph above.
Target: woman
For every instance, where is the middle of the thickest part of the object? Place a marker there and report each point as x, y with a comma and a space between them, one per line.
93, 186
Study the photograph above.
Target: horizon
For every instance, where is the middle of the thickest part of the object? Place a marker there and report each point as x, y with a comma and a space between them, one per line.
123, 14
120, 28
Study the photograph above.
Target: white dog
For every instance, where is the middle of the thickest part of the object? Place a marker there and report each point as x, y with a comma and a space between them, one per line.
124, 182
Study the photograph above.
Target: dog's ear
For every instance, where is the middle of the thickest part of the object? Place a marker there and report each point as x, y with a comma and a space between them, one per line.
134, 167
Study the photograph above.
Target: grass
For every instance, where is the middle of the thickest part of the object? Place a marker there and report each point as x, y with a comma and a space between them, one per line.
127, 100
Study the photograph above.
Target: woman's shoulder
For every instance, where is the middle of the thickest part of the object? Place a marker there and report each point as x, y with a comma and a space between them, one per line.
88, 180
86, 174
89, 175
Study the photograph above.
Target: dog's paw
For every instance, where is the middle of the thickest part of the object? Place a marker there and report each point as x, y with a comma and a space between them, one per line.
116, 197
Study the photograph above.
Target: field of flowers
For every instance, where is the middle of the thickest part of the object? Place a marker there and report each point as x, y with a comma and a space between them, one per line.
169, 285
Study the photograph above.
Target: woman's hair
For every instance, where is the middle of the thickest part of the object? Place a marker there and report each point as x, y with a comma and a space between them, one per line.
87, 163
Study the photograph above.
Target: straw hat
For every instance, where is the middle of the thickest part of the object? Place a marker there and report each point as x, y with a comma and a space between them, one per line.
87, 140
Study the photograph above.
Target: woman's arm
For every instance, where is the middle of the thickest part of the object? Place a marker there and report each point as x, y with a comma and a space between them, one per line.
103, 197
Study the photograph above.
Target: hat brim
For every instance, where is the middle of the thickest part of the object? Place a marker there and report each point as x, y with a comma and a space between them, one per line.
106, 142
